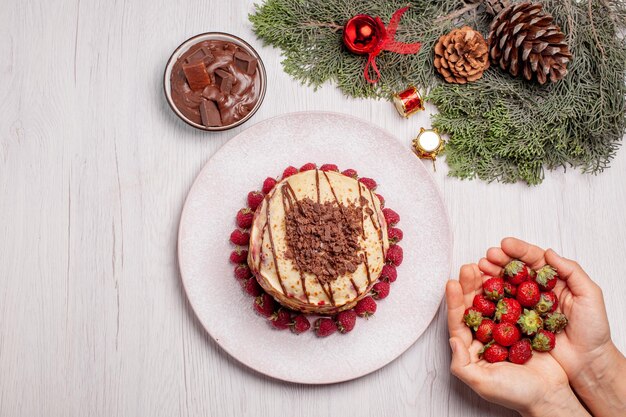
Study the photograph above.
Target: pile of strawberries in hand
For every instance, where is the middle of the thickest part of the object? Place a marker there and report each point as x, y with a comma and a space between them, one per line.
516, 314
282, 318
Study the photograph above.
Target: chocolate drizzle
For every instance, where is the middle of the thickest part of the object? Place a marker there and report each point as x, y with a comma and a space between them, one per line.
317, 184
378, 227
356, 288
269, 232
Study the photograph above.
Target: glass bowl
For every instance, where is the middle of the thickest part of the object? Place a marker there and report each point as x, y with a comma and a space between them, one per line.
212, 36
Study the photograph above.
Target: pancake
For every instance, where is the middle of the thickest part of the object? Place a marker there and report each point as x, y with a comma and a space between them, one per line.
287, 274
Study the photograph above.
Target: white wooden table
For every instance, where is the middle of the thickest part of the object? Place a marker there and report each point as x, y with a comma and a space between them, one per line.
94, 169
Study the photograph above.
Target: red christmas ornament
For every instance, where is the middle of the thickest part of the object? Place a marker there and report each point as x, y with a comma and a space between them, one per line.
364, 34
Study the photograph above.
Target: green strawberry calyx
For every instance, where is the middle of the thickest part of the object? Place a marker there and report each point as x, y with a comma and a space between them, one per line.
544, 305
530, 322
545, 274
473, 319
513, 268
541, 343
555, 322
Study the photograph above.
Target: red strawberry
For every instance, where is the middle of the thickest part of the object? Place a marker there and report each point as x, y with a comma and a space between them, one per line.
244, 218
472, 318
508, 310
517, 272
546, 278
395, 255
324, 327
289, 171
252, 287
484, 333
366, 307
555, 322
528, 294
391, 217
281, 319
309, 166
529, 322
547, 303
264, 305
255, 199
482, 304
493, 352
506, 334
345, 321
242, 272
350, 173
510, 290
494, 288
520, 352
329, 167
395, 235
268, 185
544, 341
389, 273
239, 256
240, 238
381, 199
300, 324
380, 290
368, 182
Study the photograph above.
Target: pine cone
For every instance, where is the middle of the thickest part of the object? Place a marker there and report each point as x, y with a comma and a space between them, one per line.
493, 7
461, 55
524, 40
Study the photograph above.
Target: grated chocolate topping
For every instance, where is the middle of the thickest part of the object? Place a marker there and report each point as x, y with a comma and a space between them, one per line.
323, 238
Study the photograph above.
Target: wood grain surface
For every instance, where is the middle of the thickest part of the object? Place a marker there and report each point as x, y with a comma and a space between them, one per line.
94, 169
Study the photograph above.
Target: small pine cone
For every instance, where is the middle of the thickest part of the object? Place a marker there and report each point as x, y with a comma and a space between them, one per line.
461, 56
524, 40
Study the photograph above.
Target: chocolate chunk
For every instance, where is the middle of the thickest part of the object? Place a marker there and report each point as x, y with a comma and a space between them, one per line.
323, 238
245, 62
202, 54
211, 92
224, 80
210, 114
196, 75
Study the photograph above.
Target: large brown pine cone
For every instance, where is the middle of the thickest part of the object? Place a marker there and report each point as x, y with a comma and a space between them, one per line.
524, 40
461, 55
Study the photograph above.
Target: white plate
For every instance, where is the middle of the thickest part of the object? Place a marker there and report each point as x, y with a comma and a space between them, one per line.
265, 149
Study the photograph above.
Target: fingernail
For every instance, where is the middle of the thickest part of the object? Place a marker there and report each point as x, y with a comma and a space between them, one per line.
452, 345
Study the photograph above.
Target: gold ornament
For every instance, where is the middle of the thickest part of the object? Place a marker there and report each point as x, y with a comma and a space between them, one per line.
428, 144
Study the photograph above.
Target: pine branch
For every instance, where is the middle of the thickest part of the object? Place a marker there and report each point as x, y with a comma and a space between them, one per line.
500, 128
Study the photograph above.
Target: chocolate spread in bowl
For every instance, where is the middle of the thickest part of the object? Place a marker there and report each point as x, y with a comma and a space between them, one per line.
215, 83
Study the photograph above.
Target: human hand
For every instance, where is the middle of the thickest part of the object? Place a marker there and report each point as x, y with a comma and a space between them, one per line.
537, 388
584, 349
